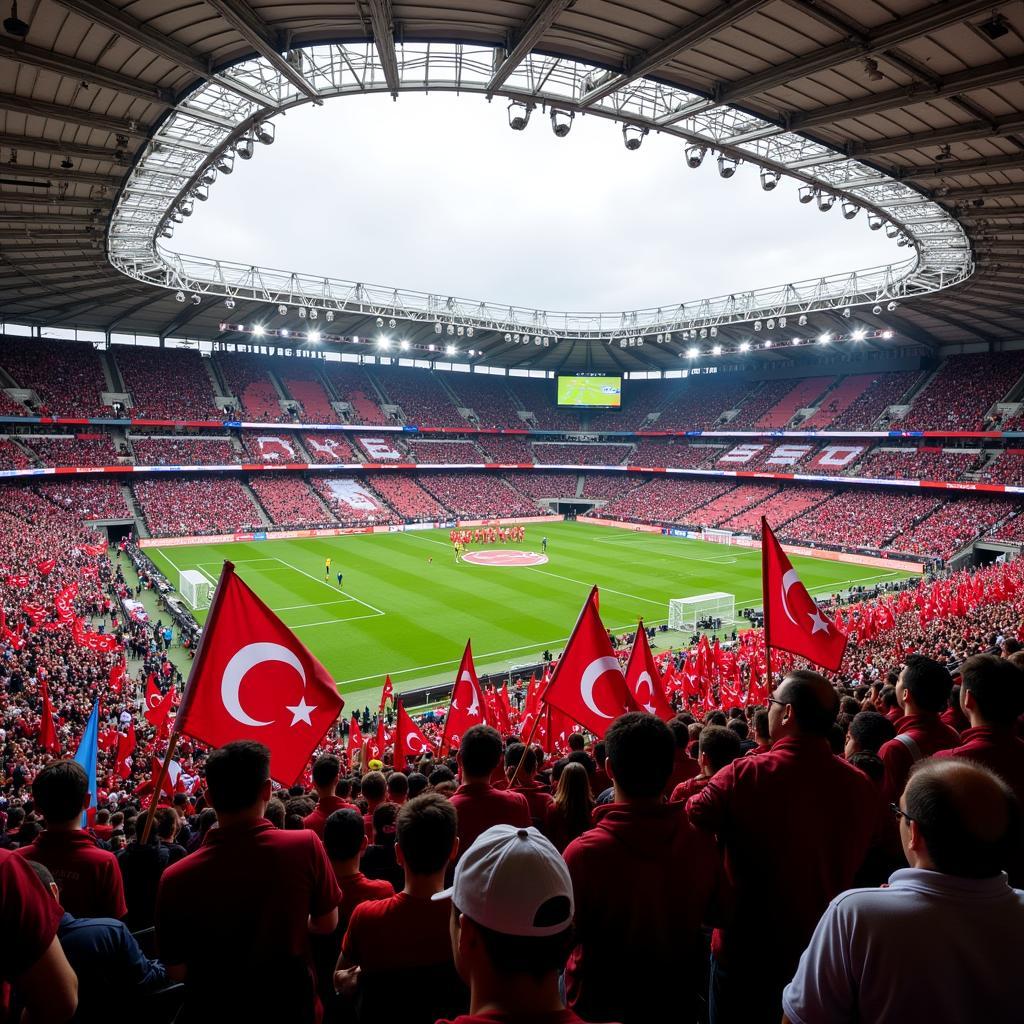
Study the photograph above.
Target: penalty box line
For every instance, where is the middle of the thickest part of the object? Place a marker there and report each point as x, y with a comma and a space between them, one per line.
324, 583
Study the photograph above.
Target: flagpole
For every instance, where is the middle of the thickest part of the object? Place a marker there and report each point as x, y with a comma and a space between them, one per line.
765, 528
526, 746
172, 743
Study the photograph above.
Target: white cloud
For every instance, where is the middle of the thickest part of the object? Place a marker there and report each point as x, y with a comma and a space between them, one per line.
436, 193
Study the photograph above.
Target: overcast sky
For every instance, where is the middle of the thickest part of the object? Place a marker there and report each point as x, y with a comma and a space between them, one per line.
436, 193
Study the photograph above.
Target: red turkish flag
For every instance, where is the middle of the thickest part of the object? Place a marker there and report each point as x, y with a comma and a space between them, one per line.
644, 680
47, 730
125, 749
355, 739
587, 683
153, 694
159, 715
253, 679
116, 676
792, 621
409, 740
467, 706
388, 693
45, 566
376, 745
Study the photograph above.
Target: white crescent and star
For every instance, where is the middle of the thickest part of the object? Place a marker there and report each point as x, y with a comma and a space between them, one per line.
645, 677
588, 680
248, 658
413, 742
474, 707
787, 581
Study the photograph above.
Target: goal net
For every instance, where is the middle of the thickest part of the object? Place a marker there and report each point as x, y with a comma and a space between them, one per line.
686, 612
717, 536
195, 589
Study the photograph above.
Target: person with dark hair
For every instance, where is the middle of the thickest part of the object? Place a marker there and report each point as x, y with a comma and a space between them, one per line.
889, 704
396, 957
683, 767
398, 788
718, 746
571, 809
761, 735
521, 765
511, 927
326, 769
922, 691
870, 764
442, 780
478, 803
375, 792
417, 784
954, 715
275, 814
796, 815
960, 825
868, 732
742, 730
992, 698
90, 880
645, 881
379, 860
107, 959
142, 865
239, 910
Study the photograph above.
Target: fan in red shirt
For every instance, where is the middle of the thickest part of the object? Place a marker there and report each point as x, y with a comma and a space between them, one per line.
396, 953
89, 878
31, 958
478, 803
233, 919
326, 770
796, 824
922, 692
718, 746
645, 881
683, 766
374, 788
511, 928
519, 757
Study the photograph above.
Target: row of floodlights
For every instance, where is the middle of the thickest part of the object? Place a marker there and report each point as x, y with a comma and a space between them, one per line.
694, 351
633, 136
382, 342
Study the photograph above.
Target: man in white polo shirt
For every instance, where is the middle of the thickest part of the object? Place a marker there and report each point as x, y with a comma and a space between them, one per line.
943, 941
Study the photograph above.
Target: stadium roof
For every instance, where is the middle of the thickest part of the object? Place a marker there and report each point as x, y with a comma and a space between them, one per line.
914, 95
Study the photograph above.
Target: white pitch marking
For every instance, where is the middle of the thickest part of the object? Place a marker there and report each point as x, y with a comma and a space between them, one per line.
335, 622
607, 590
365, 604
317, 604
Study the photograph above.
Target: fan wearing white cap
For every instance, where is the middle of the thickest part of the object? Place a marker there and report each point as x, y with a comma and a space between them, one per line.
511, 927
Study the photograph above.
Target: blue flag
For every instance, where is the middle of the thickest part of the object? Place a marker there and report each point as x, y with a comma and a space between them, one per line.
87, 753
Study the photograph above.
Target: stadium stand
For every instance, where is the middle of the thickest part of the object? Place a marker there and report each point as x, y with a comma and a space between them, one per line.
801, 396
837, 400
385, 448
352, 384
9, 407
1006, 468
664, 500
166, 383
730, 504
538, 397
581, 454
489, 398
182, 451
961, 394
758, 402
247, 377
777, 508
288, 501
12, 456
66, 376
333, 447
505, 449
303, 384
639, 400
609, 486
92, 449
699, 402
885, 390
353, 500
545, 485
408, 499
954, 524
477, 495
194, 507
423, 398
676, 454
88, 499
923, 463
446, 451
278, 447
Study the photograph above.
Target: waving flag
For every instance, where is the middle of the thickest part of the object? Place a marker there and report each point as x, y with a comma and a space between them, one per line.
467, 706
160, 716
47, 730
587, 683
125, 749
86, 756
409, 740
792, 621
387, 694
249, 667
355, 739
643, 679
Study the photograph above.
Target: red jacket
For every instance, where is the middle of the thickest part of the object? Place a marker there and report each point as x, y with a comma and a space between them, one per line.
644, 881
997, 749
479, 806
929, 734
796, 823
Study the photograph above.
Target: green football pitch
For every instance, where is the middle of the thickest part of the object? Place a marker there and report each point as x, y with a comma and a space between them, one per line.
407, 608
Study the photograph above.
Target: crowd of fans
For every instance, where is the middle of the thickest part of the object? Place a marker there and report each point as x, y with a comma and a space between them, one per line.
477, 495
609, 486
247, 378
288, 501
421, 396
192, 507
665, 499
954, 524
487, 396
333, 447
166, 383
352, 384
885, 390
801, 396
88, 499
675, 454
183, 451
465, 452
924, 463
545, 485
568, 454
778, 508
302, 383
93, 449
509, 450
353, 501
66, 376
408, 498
12, 456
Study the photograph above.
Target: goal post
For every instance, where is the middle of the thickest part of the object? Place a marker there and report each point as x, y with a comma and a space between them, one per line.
716, 536
685, 612
195, 589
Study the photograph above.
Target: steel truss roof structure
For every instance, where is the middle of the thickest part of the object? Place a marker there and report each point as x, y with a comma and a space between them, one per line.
120, 111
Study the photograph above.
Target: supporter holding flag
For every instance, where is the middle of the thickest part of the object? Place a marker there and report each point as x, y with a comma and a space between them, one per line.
160, 716
125, 749
153, 694
254, 679
643, 680
522, 760
467, 706
792, 621
48, 740
87, 756
387, 694
587, 683
409, 739
355, 740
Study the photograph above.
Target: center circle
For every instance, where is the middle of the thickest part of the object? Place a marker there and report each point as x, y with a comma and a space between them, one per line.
504, 558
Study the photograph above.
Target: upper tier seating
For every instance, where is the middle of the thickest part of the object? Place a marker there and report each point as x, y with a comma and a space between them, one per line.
676, 454
248, 378
421, 395
540, 397
465, 452
801, 396
166, 383
329, 447
837, 401
953, 525
66, 375
74, 449
12, 457
1007, 468
477, 495
759, 402
886, 389
581, 454
489, 398
505, 449
187, 507
698, 402
352, 385
288, 501
301, 380
183, 451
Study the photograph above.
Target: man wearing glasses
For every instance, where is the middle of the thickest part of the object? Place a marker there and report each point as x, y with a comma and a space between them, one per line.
952, 911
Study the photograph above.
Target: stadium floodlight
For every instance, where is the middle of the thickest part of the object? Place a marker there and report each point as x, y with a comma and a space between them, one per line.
782, 321
757, 325
469, 332
283, 333
875, 221
451, 329
744, 346
716, 350
404, 345
515, 338
196, 300
330, 316
850, 209
460, 330
430, 348
209, 176
245, 147
314, 336
450, 350
633, 136
508, 339
846, 312
891, 307
536, 339
660, 339
796, 341
887, 335
806, 193
265, 133
229, 303
902, 240
695, 156
225, 162
519, 115
383, 343
177, 217
767, 342
769, 178
859, 335
302, 312
703, 332
380, 322
561, 122
179, 296
825, 338
801, 321
826, 200
876, 310
693, 351
185, 209
282, 309
167, 231
727, 165
714, 332
891, 230
257, 329
314, 313
201, 193
437, 327
392, 324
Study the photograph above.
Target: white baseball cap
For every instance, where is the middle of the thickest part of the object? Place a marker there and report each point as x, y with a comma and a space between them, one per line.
506, 877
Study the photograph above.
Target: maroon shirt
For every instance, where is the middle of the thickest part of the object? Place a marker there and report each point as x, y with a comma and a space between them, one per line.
685, 767
29, 917
89, 878
399, 933
479, 806
539, 799
644, 880
317, 818
998, 749
796, 823
357, 889
691, 787
930, 734
236, 912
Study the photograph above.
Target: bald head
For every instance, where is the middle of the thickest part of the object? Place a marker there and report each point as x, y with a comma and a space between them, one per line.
967, 817
813, 702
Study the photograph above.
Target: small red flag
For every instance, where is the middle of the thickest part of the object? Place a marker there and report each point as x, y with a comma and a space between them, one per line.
792, 621
587, 683
47, 730
153, 694
253, 679
115, 680
467, 706
125, 749
355, 739
643, 679
159, 716
387, 694
409, 740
